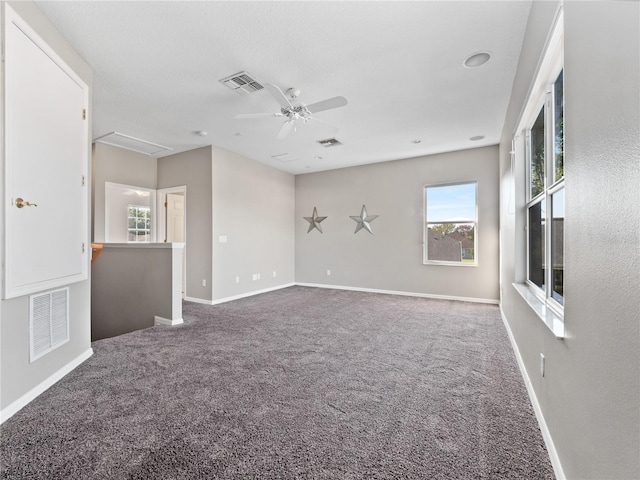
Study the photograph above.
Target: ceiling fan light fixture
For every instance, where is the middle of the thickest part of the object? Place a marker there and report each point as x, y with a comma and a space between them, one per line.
476, 138
477, 59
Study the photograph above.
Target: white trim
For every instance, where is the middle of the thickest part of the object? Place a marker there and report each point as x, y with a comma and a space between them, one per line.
28, 397
546, 434
198, 300
250, 294
405, 294
166, 321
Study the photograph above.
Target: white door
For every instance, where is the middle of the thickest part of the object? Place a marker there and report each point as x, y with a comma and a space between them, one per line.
175, 217
46, 161
175, 223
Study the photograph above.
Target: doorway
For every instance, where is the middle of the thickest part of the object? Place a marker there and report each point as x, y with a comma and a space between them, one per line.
172, 221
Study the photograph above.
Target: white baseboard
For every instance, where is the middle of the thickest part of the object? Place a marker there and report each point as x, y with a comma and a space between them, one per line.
404, 294
167, 321
546, 435
7, 412
198, 300
250, 294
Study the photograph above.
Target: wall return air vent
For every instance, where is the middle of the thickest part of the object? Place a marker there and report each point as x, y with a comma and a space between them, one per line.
48, 321
242, 83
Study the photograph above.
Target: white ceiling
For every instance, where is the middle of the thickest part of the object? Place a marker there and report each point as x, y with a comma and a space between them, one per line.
399, 64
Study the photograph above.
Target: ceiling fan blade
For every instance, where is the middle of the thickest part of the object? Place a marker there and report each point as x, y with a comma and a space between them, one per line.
285, 129
258, 115
278, 95
328, 104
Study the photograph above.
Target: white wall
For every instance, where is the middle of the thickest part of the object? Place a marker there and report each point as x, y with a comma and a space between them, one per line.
392, 258
590, 395
17, 375
253, 207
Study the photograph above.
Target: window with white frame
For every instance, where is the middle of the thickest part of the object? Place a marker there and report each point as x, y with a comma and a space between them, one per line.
543, 128
451, 224
139, 223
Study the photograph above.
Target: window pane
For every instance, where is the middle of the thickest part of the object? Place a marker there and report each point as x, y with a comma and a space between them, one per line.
558, 106
451, 242
557, 245
450, 203
537, 215
139, 224
537, 156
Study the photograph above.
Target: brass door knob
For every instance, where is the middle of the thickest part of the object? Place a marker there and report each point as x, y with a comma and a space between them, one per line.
23, 203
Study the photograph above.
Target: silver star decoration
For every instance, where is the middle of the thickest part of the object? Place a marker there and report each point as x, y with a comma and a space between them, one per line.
364, 220
314, 221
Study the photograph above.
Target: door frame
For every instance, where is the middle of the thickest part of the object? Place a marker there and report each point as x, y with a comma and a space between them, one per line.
161, 224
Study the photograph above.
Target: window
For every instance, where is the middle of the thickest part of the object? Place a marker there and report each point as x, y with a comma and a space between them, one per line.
542, 152
139, 226
451, 224
545, 201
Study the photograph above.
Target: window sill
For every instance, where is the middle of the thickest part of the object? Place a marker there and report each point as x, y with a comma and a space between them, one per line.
449, 264
552, 320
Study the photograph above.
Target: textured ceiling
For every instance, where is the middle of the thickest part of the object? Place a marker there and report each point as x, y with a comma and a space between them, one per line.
399, 64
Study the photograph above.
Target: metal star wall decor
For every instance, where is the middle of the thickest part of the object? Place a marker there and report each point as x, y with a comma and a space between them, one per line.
314, 221
364, 221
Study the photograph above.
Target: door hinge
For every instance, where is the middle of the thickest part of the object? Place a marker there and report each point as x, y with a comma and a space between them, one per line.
84, 113
84, 181
83, 247
165, 204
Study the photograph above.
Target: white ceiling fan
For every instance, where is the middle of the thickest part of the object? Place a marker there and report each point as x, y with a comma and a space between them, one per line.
294, 111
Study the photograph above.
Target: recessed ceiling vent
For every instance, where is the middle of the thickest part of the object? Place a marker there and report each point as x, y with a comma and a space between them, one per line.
329, 142
242, 83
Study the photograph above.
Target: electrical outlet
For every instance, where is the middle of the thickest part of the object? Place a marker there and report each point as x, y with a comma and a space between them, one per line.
328, 272
542, 365
274, 273
237, 279
204, 282
255, 277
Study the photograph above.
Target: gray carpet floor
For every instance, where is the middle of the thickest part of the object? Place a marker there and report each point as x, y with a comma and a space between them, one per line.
298, 383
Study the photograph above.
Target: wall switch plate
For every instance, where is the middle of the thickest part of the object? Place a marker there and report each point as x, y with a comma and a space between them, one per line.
274, 273
222, 239
328, 272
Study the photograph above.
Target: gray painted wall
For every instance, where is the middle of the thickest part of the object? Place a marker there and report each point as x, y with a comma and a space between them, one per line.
590, 395
17, 374
117, 165
193, 169
130, 286
253, 207
391, 258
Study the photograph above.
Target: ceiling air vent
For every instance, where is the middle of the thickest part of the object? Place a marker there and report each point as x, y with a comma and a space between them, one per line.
329, 142
242, 83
